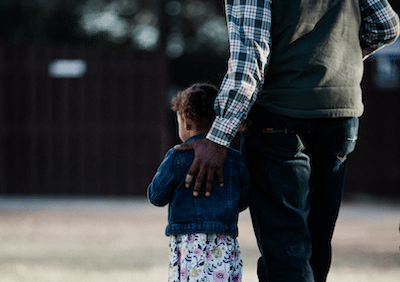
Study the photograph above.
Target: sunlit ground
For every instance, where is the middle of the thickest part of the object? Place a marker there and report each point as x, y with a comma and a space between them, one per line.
52, 239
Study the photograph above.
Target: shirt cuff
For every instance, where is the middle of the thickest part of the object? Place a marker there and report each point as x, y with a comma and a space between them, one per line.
223, 130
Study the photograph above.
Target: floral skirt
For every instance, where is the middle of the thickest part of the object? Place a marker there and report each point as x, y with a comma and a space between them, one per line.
204, 257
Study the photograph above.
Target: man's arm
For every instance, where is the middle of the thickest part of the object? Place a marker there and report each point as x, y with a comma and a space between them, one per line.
249, 24
379, 27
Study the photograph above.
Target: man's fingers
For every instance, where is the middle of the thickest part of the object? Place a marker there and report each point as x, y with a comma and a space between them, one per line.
209, 183
220, 176
188, 180
199, 181
194, 168
208, 160
184, 147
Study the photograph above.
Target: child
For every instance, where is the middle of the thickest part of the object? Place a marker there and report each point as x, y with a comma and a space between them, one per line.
202, 230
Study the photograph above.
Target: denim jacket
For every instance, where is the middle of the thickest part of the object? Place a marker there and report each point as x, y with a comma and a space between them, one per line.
188, 214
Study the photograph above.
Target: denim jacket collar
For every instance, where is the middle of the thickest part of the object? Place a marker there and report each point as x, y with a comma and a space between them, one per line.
198, 136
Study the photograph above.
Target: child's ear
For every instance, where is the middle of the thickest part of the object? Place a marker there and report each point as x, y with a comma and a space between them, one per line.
188, 126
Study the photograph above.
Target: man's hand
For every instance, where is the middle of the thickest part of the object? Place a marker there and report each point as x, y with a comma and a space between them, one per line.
209, 158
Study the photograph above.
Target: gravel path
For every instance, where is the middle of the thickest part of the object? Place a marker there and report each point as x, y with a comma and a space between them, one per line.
92, 240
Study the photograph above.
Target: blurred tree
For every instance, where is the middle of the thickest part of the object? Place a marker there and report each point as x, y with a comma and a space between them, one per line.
187, 26
28, 21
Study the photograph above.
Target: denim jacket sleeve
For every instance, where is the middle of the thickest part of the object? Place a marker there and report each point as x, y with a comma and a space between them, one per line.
164, 182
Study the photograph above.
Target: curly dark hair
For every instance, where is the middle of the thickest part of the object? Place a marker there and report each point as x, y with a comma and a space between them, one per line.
196, 104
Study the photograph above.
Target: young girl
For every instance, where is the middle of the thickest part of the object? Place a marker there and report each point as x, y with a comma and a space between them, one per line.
202, 230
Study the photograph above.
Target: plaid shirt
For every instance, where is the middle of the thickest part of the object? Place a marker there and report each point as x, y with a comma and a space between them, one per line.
249, 24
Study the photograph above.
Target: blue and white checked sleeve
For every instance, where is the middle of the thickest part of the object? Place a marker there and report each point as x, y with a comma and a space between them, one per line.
379, 27
249, 24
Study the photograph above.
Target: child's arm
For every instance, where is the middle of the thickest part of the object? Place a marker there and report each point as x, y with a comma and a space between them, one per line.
164, 182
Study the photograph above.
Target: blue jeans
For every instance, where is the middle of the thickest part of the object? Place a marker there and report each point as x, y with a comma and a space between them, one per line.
297, 169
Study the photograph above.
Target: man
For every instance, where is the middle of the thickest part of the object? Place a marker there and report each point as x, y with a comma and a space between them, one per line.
304, 122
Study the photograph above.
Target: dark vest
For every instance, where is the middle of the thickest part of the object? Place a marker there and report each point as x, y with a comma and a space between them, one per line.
316, 63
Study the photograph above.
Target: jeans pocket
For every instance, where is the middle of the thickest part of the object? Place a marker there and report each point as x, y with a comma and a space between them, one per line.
345, 140
282, 142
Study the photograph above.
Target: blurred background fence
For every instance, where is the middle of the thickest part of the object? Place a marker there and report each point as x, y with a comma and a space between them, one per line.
375, 165
85, 87
99, 133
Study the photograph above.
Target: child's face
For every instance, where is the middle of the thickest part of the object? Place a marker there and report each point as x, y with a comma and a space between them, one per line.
183, 132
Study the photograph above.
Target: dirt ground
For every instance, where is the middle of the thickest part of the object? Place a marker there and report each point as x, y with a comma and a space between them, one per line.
83, 239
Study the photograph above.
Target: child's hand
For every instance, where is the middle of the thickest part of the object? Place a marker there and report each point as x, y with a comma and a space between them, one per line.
209, 158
